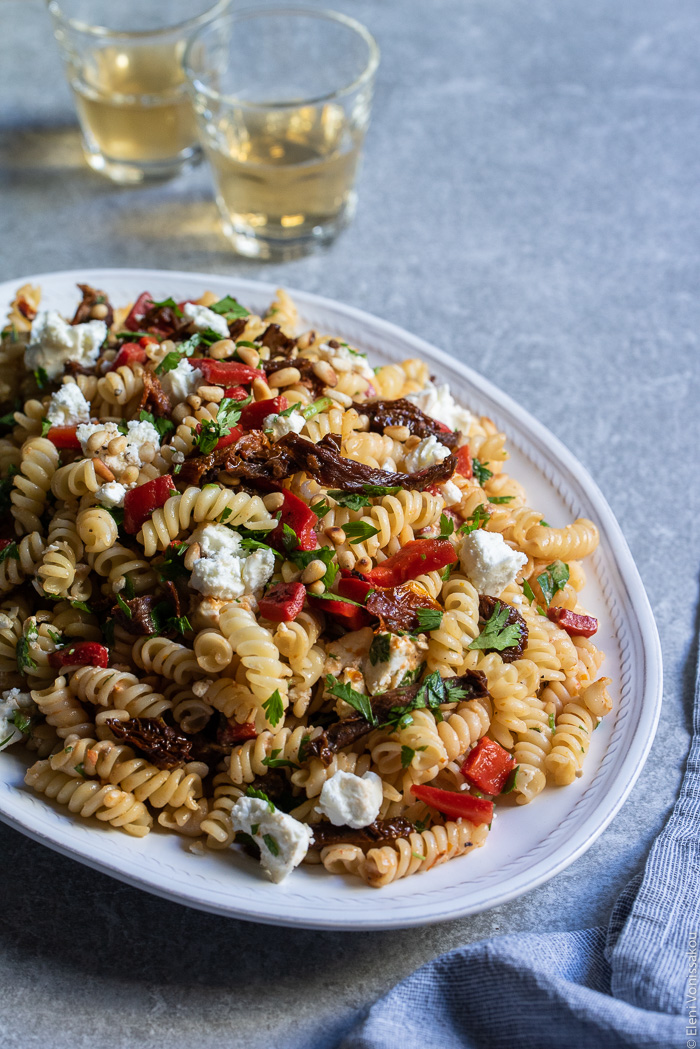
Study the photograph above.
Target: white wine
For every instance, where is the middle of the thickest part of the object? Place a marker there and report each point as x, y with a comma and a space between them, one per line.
281, 175
133, 105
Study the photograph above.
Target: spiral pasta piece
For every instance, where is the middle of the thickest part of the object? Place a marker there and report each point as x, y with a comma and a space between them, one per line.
88, 798
117, 689
199, 505
62, 710
420, 852
97, 529
572, 734
264, 671
13, 571
31, 485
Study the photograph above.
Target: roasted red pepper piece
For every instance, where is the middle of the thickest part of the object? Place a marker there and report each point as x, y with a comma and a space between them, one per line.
450, 803
414, 559
226, 372
64, 437
576, 625
138, 311
129, 353
352, 587
300, 518
283, 602
465, 466
84, 654
488, 766
236, 393
5, 542
139, 503
253, 415
146, 340
352, 617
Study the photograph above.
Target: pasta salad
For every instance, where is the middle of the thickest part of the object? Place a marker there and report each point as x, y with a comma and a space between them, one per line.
259, 593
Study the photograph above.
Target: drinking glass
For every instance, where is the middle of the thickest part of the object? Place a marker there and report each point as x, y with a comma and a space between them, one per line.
283, 98
123, 61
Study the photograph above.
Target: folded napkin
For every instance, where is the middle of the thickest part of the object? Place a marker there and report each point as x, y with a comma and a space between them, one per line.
632, 985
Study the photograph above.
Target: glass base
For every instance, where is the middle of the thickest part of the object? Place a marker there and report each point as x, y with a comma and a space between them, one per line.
132, 172
255, 244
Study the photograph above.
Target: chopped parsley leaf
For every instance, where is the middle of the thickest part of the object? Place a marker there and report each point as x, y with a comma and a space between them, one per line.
429, 618
510, 782
355, 699
251, 792
481, 471
554, 578
477, 520
271, 844
497, 500
380, 649
359, 531
124, 607
274, 708
9, 551
229, 308
41, 377
496, 634
274, 762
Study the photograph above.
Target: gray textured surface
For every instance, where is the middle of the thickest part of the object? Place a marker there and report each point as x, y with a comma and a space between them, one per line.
530, 202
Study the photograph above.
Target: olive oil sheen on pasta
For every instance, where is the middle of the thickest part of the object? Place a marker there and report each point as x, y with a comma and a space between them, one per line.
282, 175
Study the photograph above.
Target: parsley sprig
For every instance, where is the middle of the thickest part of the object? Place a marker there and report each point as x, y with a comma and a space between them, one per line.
212, 430
496, 634
362, 704
554, 578
274, 708
229, 308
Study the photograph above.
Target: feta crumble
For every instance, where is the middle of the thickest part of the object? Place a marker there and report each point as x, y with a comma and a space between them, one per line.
201, 318
426, 453
351, 801
450, 493
488, 562
68, 406
438, 403
283, 840
182, 381
111, 494
224, 570
405, 653
138, 433
53, 341
10, 701
281, 425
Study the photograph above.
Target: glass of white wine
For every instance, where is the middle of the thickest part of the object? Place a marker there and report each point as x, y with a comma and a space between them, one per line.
123, 61
283, 100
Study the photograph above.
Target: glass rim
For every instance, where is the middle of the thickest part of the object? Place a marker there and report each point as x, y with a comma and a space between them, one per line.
197, 21
249, 13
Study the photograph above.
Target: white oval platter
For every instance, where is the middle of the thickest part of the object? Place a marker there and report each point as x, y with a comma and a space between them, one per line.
528, 844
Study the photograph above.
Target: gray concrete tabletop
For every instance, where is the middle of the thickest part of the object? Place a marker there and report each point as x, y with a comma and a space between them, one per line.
530, 200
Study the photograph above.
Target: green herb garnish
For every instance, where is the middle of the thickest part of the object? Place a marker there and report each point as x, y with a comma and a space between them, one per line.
510, 782
477, 520
496, 634
274, 762
362, 704
252, 792
359, 531
380, 649
554, 578
429, 618
481, 471
274, 708
229, 308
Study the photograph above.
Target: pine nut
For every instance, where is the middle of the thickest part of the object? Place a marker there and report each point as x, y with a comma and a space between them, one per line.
102, 471
306, 340
314, 571
147, 452
412, 442
325, 373
130, 475
284, 377
117, 445
363, 564
336, 395
317, 587
346, 559
273, 501
261, 391
194, 401
99, 312
210, 393
96, 440
248, 355
335, 534
222, 348
290, 572
194, 552
397, 433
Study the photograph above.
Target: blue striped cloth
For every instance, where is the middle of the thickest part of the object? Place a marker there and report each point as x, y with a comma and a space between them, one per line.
632, 985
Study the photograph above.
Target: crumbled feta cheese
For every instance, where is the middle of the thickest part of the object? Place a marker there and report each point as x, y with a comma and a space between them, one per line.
438, 403
488, 562
351, 801
10, 701
138, 434
405, 653
68, 406
257, 569
426, 453
182, 381
343, 359
224, 570
54, 341
201, 318
178, 457
450, 493
281, 425
348, 651
201, 687
283, 840
111, 494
